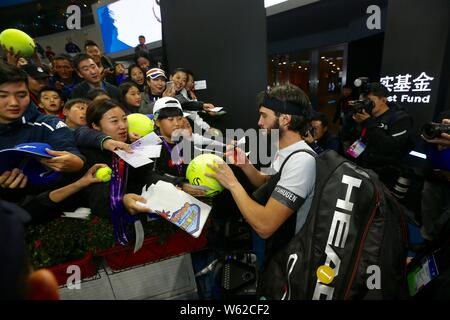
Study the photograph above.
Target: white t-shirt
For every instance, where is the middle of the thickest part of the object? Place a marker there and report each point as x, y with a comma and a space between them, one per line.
295, 189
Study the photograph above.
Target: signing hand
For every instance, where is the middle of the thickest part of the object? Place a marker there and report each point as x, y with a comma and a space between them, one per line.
130, 203
14, 179
236, 156
223, 174
63, 161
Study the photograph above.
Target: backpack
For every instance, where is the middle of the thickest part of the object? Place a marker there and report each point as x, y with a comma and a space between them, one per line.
354, 226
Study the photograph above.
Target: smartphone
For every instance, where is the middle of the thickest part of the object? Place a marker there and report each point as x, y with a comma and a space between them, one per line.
169, 85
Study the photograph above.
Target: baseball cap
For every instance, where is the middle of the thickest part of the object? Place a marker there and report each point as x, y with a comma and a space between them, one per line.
155, 73
166, 102
36, 72
26, 157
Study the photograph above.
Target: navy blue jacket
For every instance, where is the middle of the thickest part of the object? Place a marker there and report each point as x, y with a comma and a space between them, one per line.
34, 126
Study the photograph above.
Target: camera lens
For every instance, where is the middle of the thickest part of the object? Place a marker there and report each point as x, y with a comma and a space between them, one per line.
430, 131
401, 187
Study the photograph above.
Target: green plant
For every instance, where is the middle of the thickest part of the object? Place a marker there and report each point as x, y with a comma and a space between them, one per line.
66, 239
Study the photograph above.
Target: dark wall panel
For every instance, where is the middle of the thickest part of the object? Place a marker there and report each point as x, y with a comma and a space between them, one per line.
224, 43
364, 58
416, 42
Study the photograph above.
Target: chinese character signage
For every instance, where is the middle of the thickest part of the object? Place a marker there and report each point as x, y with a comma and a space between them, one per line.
407, 88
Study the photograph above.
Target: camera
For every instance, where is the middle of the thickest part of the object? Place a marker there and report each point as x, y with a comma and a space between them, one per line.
363, 84
434, 130
308, 130
358, 106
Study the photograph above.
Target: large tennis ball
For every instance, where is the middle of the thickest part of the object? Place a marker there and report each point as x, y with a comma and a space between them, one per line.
18, 40
139, 123
196, 173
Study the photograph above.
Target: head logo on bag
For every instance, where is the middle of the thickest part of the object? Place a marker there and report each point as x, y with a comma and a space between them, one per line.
338, 235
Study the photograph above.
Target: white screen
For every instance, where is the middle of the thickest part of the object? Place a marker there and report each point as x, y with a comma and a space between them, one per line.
122, 22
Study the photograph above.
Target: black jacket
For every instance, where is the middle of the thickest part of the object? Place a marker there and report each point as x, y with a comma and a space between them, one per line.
387, 138
81, 90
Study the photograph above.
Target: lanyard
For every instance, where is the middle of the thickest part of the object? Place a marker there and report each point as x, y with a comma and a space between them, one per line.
363, 132
120, 218
178, 164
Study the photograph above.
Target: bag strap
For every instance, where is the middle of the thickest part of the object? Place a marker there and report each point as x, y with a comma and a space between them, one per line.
311, 153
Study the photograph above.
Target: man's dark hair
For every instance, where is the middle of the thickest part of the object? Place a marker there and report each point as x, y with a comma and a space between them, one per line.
49, 89
94, 93
79, 58
69, 104
294, 95
378, 90
90, 43
12, 74
322, 117
347, 86
63, 57
96, 110
141, 36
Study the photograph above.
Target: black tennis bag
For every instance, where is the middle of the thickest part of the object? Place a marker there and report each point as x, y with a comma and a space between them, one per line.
355, 227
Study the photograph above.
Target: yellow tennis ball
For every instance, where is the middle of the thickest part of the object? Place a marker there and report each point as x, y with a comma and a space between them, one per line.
104, 174
139, 123
196, 170
18, 40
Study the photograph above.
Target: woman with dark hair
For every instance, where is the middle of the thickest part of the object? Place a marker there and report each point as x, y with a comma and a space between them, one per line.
131, 97
110, 118
136, 75
143, 60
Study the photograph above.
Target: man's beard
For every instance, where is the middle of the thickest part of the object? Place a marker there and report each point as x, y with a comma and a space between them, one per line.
275, 126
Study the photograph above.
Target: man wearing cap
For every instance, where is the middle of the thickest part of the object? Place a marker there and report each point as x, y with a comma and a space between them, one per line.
37, 80
156, 88
89, 71
284, 198
21, 122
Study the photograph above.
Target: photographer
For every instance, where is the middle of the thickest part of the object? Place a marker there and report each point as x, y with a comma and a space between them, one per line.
383, 138
436, 191
443, 140
319, 137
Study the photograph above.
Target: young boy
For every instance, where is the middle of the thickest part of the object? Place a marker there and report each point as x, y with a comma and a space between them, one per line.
50, 102
75, 112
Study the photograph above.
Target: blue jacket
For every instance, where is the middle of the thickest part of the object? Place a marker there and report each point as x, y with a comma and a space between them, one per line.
34, 126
